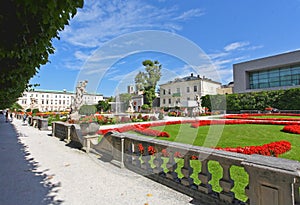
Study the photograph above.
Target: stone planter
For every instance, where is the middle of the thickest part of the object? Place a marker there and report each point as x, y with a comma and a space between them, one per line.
43, 124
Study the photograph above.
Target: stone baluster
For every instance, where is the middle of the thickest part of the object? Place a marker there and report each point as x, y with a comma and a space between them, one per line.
128, 149
226, 183
172, 166
205, 177
158, 162
187, 170
146, 158
296, 192
135, 155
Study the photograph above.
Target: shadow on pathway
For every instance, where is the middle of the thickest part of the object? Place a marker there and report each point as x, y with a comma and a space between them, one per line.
20, 182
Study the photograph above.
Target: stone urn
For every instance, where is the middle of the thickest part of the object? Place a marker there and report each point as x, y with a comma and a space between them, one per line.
89, 128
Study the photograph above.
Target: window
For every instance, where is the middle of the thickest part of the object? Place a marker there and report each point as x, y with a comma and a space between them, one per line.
169, 101
195, 88
42, 101
178, 90
169, 92
187, 89
164, 101
164, 91
188, 98
285, 76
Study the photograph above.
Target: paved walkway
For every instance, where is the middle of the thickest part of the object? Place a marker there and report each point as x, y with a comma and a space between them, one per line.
38, 169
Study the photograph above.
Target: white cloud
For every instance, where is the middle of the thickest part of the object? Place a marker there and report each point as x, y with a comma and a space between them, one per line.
236, 45
190, 14
98, 22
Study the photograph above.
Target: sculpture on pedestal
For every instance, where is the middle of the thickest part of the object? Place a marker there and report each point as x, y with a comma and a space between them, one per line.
78, 100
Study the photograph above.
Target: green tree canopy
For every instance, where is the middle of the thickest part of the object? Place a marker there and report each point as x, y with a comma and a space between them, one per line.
147, 81
103, 105
27, 28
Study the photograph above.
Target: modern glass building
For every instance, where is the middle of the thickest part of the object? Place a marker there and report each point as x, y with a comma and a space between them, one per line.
270, 73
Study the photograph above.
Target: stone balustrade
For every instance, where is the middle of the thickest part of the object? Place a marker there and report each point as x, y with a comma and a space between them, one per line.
187, 168
272, 181
61, 130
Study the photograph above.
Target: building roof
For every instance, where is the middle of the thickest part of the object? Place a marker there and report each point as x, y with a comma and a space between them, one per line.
295, 53
190, 78
62, 92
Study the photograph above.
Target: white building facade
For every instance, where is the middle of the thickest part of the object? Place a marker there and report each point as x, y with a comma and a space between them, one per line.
187, 91
54, 100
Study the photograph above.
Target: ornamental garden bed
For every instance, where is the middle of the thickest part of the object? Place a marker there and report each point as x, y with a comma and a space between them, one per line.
261, 136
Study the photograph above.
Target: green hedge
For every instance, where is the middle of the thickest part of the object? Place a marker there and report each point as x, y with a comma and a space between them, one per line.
280, 99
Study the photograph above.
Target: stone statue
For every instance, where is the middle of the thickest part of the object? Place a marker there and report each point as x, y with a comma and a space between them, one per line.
78, 100
130, 106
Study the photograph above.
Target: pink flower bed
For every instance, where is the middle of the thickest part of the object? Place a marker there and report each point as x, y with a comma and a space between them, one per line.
292, 129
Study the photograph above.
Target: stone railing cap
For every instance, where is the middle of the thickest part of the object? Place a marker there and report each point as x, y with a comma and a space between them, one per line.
273, 163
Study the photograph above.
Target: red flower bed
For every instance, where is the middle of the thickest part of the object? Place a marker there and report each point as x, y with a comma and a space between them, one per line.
140, 128
253, 117
233, 122
292, 129
271, 149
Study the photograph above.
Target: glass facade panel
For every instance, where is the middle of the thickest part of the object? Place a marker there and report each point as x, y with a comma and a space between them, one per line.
287, 76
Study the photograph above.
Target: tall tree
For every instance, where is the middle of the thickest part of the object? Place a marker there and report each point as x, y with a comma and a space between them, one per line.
147, 81
27, 29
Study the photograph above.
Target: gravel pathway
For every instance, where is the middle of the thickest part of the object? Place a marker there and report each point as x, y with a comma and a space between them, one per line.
39, 169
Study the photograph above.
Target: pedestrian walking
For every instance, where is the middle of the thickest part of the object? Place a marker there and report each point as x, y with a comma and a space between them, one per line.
11, 116
6, 115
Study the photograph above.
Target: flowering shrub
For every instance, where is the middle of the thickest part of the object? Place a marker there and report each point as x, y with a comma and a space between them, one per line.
292, 129
125, 119
88, 119
271, 149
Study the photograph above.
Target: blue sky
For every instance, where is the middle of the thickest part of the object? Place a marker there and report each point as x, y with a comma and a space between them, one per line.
107, 41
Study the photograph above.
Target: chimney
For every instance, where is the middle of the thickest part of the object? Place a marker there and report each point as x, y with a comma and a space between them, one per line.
192, 74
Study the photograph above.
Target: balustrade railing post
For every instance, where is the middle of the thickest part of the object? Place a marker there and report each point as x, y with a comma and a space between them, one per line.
187, 170
146, 158
271, 180
157, 161
226, 183
172, 166
296, 192
205, 177
135, 155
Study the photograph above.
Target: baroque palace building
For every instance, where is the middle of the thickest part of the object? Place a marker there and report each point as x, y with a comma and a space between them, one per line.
187, 91
46, 100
